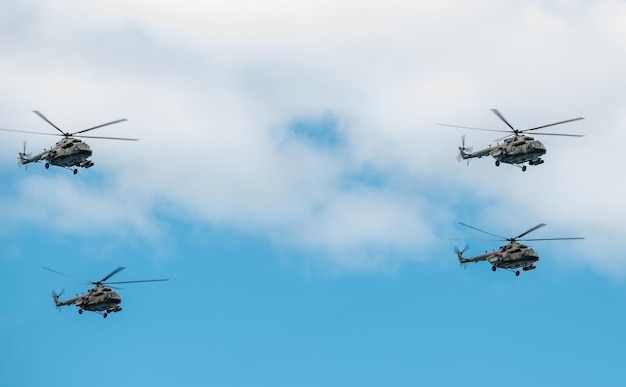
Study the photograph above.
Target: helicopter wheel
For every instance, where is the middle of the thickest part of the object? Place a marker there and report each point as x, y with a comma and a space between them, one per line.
493, 268
524, 168
497, 163
517, 273
47, 165
75, 171
105, 315
80, 311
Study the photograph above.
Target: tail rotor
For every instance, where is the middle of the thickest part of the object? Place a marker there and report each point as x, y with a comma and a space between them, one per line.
459, 253
462, 151
23, 156
56, 296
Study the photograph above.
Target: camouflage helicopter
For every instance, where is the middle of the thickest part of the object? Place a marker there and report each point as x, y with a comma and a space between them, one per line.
510, 256
516, 149
100, 299
68, 152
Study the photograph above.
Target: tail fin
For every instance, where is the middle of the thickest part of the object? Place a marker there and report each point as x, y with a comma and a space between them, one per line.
56, 296
23, 157
459, 253
462, 154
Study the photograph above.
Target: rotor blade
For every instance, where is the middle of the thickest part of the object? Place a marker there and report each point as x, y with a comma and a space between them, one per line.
26, 131
556, 123
551, 239
48, 121
558, 134
456, 249
485, 232
478, 239
132, 282
529, 231
469, 127
111, 274
459, 157
109, 138
497, 113
67, 275
99, 126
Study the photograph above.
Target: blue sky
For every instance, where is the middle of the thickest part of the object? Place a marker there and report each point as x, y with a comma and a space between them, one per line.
291, 182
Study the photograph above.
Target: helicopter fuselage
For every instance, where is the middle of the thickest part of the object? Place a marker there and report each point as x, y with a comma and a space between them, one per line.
98, 299
68, 152
101, 299
517, 150
510, 256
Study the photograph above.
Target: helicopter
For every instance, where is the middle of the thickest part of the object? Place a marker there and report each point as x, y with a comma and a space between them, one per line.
511, 256
516, 149
70, 152
100, 299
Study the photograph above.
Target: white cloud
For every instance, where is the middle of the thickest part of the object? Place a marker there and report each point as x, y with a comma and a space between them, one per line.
210, 88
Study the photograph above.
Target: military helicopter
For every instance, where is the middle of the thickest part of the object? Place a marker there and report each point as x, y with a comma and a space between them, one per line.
510, 256
516, 149
68, 152
100, 299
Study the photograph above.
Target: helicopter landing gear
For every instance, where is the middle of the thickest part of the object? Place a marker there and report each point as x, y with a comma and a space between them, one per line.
497, 163
493, 268
105, 314
47, 165
80, 311
76, 170
517, 273
523, 168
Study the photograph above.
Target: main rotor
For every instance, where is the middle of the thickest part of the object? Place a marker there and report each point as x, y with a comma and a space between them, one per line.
103, 281
74, 134
519, 237
517, 132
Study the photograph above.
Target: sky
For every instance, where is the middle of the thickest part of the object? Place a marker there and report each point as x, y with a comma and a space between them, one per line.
291, 182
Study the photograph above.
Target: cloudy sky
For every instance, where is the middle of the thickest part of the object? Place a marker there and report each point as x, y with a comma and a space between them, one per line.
292, 182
